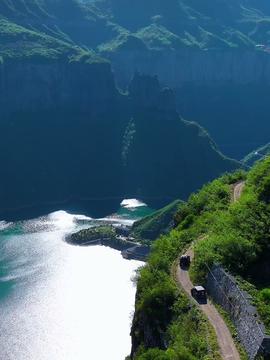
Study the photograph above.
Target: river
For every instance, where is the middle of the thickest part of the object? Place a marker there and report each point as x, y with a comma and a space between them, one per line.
62, 302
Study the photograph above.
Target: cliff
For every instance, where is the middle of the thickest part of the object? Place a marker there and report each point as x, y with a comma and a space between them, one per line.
43, 86
68, 140
215, 56
178, 68
225, 90
186, 41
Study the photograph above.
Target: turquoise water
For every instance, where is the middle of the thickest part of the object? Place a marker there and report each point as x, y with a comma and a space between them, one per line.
62, 302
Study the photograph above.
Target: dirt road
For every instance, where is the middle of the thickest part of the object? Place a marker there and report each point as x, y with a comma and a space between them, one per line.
237, 190
226, 344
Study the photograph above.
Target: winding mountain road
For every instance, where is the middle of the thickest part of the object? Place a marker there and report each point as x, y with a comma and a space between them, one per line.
226, 343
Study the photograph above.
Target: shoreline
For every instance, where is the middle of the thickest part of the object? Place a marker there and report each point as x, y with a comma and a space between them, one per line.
117, 238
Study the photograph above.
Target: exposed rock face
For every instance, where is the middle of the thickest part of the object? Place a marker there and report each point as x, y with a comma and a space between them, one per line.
158, 140
226, 91
46, 86
61, 138
177, 68
71, 140
205, 51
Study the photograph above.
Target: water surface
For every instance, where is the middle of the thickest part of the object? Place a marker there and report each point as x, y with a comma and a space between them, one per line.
62, 302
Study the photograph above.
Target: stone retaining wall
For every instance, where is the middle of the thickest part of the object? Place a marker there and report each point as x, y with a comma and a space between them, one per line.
223, 288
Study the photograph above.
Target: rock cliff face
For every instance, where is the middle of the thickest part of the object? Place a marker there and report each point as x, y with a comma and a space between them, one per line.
214, 54
61, 138
54, 85
227, 92
70, 139
199, 67
158, 141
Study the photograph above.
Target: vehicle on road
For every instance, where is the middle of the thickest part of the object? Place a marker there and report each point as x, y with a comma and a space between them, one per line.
199, 293
184, 261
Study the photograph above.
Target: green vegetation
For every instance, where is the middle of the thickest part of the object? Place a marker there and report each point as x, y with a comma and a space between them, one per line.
39, 30
117, 25
260, 299
20, 43
106, 235
237, 235
184, 23
93, 234
158, 37
263, 304
156, 224
123, 42
176, 327
241, 232
156, 290
86, 57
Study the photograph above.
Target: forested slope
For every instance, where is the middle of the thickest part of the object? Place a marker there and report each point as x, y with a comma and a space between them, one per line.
233, 234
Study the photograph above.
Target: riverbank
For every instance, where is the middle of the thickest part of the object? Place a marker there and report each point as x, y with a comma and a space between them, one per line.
115, 236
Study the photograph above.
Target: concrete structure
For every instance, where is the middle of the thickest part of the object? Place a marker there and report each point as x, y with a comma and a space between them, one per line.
138, 252
224, 290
